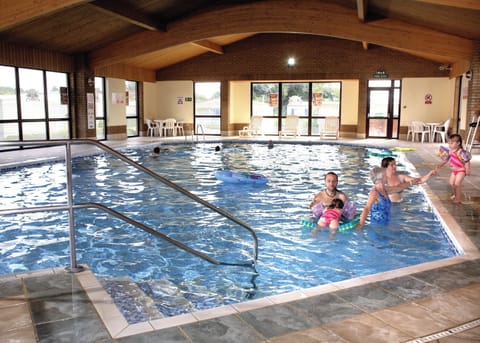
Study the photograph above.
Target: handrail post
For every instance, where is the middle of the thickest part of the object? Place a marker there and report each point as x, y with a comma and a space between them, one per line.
73, 268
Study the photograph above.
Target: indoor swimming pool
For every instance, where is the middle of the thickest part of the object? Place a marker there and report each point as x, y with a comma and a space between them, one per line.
178, 282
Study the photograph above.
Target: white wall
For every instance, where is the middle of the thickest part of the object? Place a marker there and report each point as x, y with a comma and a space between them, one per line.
170, 101
413, 106
349, 105
239, 110
117, 113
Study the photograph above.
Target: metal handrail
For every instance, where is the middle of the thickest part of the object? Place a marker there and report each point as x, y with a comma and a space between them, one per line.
71, 206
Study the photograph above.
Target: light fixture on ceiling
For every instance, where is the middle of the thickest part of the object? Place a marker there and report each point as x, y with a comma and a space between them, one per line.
291, 61
445, 67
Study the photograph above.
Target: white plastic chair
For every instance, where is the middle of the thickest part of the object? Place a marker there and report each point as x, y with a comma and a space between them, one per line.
291, 127
169, 125
410, 130
152, 128
330, 128
419, 128
441, 130
179, 128
255, 127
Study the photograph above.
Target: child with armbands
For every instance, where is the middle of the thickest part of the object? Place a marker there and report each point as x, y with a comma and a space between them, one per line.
330, 217
459, 163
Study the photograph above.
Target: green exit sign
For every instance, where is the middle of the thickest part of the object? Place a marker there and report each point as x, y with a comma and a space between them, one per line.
188, 98
380, 75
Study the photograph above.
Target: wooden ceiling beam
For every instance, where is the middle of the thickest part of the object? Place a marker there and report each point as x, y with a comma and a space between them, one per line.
19, 12
468, 4
312, 17
209, 45
126, 12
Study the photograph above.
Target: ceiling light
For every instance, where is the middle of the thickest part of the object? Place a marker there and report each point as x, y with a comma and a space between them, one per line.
291, 61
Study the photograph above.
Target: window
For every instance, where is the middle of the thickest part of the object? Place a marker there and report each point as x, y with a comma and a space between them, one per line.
311, 101
132, 108
265, 103
43, 109
207, 107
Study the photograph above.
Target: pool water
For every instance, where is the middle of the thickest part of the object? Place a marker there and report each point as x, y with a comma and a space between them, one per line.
179, 282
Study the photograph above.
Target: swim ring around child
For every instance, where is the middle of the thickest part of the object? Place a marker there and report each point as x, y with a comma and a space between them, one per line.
235, 176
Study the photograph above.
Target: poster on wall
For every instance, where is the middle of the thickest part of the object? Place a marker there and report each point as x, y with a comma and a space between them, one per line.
90, 111
118, 98
179, 100
428, 99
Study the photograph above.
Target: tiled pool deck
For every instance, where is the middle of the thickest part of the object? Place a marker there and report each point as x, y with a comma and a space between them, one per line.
439, 299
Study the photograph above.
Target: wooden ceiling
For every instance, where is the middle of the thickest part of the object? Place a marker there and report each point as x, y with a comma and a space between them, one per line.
154, 34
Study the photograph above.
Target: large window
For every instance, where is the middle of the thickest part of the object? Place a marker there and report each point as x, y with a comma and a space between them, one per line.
207, 107
311, 101
34, 104
132, 108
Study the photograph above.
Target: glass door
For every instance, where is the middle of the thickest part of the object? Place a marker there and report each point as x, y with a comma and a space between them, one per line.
383, 108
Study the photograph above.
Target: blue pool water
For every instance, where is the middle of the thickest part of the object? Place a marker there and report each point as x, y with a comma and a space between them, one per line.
178, 281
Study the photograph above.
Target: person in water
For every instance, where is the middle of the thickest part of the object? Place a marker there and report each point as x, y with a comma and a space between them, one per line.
378, 203
330, 217
397, 182
459, 164
155, 153
324, 198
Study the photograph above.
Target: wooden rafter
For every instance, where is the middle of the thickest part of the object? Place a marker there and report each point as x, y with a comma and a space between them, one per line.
362, 9
209, 45
19, 12
125, 12
262, 16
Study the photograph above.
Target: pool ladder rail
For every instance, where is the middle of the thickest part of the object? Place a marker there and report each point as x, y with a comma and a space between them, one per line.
71, 206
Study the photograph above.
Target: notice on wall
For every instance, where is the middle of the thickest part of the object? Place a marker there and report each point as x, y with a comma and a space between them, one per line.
118, 98
180, 100
428, 99
90, 111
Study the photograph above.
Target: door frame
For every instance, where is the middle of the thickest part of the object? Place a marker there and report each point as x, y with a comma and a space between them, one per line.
392, 130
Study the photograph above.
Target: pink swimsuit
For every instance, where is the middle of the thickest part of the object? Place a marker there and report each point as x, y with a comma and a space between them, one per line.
331, 214
455, 163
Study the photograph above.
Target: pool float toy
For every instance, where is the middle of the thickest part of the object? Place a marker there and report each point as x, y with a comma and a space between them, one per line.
403, 149
234, 176
463, 155
379, 153
348, 210
344, 225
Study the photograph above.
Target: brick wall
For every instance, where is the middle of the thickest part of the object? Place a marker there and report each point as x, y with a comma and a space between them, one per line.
264, 57
473, 104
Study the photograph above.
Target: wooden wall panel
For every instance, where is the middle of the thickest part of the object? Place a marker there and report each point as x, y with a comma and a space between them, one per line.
35, 58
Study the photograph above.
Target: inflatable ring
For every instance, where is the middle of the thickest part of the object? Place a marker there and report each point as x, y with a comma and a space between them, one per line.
233, 176
402, 149
379, 153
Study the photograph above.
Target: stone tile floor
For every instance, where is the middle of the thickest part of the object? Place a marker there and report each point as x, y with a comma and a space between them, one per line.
439, 302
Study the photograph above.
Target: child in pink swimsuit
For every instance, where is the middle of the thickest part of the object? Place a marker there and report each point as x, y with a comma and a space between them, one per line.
459, 163
331, 217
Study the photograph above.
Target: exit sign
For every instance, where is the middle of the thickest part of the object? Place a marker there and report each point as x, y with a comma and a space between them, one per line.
380, 75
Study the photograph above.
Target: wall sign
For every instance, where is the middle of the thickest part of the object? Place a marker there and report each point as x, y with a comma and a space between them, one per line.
428, 99
90, 111
380, 74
